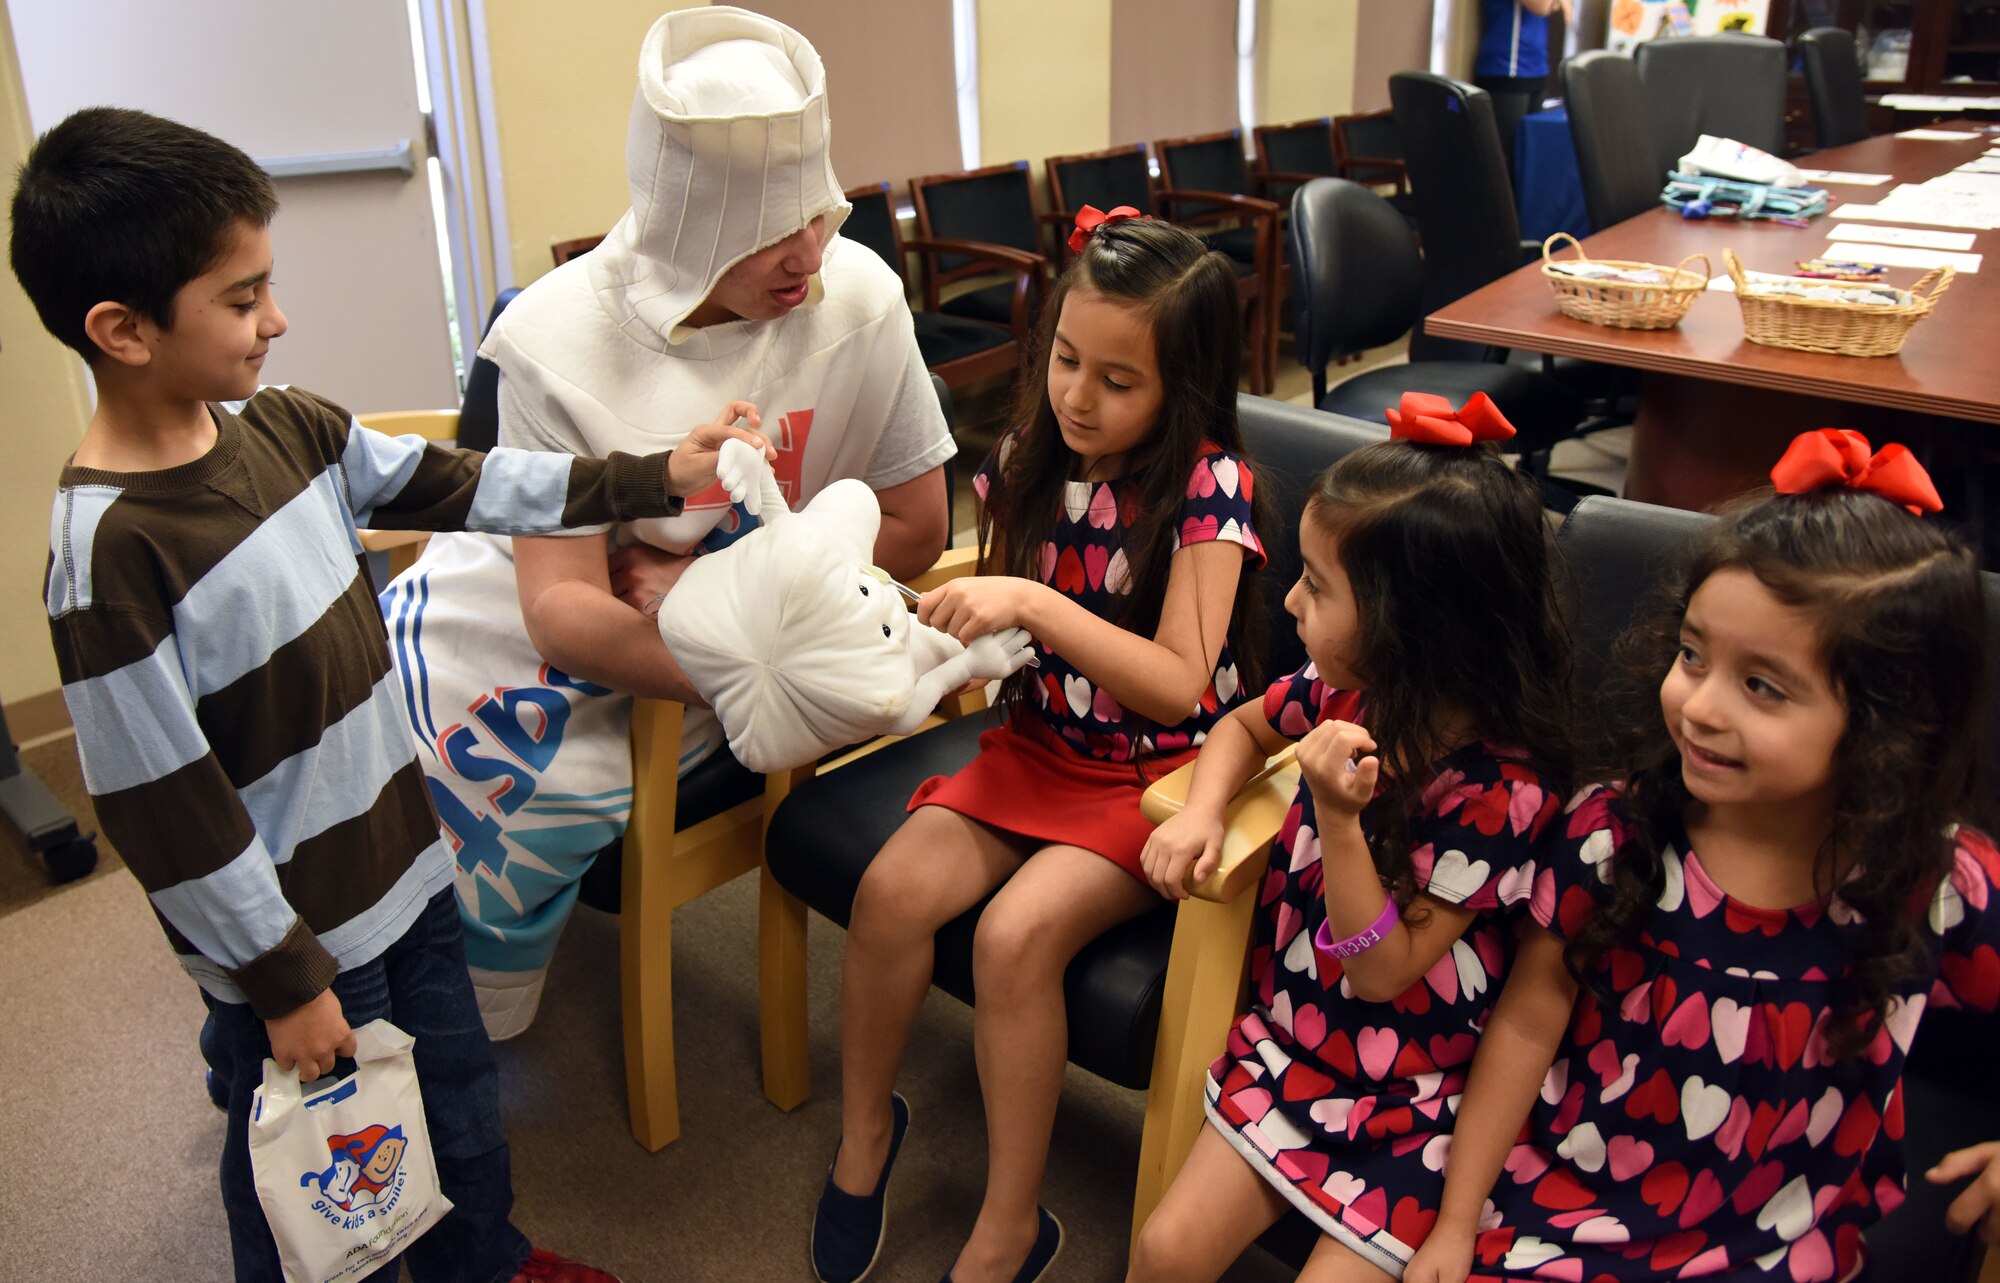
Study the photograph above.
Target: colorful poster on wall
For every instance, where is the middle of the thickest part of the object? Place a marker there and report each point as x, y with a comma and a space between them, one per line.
1713, 17
1633, 22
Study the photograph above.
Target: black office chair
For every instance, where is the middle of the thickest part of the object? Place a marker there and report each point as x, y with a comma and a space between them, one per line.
1833, 85
1358, 284
1465, 202
1731, 86
1607, 113
825, 834
1617, 552
1472, 234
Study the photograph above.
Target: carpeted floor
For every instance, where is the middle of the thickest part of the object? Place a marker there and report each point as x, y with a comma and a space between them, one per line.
108, 1155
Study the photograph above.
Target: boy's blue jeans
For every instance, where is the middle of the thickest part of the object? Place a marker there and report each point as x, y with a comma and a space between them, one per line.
420, 985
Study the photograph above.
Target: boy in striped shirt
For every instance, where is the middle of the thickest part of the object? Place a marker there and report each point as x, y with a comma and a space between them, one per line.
225, 663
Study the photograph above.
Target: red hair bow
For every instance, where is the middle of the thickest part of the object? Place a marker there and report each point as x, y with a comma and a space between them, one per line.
1429, 420
1090, 218
1840, 457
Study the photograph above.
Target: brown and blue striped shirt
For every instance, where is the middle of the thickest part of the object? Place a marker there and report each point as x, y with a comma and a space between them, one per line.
227, 672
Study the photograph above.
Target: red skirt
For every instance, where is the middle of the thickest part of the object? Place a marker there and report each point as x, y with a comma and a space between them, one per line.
1028, 780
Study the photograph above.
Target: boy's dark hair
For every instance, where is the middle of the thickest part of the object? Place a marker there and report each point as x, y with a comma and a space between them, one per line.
1453, 570
1188, 292
116, 205
1901, 624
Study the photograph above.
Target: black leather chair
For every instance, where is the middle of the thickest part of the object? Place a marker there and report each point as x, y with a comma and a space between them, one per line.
955, 349
1289, 156
1607, 115
1731, 86
479, 413
1124, 176
1358, 284
1833, 86
825, 834
994, 206
1239, 220
1370, 152
1465, 202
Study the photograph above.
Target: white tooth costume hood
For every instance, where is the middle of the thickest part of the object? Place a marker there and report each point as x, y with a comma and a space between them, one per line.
726, 154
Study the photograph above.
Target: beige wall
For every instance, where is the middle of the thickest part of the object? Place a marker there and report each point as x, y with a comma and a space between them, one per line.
1392, 35
563, 77
1306, 56
42, 386
1040, 97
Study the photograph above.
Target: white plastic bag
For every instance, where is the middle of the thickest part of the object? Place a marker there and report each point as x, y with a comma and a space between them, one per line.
345, 1173
1727, 158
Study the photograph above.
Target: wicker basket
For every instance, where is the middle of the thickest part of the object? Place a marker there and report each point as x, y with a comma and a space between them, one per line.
1823, 325
1627, 305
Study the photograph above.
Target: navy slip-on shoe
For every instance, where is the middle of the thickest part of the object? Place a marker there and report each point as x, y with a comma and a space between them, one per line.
847, 1228
1048, 1242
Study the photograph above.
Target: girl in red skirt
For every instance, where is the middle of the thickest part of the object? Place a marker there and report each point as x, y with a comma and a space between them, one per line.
1119, 529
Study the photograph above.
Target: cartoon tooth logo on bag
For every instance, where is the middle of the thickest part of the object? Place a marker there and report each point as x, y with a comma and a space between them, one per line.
366, 1171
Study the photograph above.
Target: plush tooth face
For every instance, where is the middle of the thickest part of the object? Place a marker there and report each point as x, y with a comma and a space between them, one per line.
797, 647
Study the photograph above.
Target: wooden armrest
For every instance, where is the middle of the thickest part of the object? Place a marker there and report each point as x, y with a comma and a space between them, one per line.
1255, 205
384, 540
954, 563
431, 425
1015, 259
1251, 821
1271, 176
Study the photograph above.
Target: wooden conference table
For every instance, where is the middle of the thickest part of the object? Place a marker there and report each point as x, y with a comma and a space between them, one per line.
1716, 410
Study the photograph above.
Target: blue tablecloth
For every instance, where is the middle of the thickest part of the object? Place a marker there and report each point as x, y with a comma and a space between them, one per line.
1548, 190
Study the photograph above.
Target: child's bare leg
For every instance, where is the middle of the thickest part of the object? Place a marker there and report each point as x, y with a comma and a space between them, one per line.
1216, 1207
938, 865
1334, 1262
1063, 898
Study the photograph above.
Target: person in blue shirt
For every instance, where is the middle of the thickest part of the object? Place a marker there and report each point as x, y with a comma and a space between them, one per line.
1513, 59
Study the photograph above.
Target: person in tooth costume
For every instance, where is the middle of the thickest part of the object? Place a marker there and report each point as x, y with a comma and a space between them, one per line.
726, 280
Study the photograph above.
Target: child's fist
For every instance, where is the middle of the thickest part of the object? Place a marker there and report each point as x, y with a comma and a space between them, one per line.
1184, 849
1333, 760
308, 1038
691, 466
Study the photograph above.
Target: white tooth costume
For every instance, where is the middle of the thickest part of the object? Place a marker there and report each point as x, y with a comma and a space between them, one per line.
726, 155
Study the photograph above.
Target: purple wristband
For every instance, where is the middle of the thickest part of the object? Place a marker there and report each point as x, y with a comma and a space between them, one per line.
1370, 935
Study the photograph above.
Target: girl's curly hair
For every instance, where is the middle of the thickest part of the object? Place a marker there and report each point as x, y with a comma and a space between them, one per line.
1901, 620
1454, 575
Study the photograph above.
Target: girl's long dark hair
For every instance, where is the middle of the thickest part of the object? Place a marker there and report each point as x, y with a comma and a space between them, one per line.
1453, 570
1901, 621
1188, 293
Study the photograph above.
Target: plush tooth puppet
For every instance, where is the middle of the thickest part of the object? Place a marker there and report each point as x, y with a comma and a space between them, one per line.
797, 642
